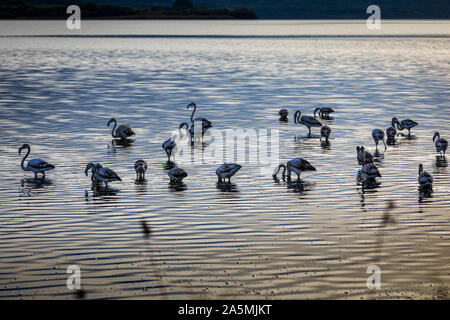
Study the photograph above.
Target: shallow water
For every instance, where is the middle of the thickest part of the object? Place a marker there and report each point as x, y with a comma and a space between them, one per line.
262, 239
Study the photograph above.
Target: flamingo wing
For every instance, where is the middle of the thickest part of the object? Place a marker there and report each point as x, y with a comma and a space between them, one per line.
126, 130
408, 123
40, 164
310, 120
107, 173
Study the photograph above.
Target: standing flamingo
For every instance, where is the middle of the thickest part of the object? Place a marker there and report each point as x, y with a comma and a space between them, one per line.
226, 171
325, 132
168, 146
104, 175
177, 175
297, 165
307, 121
377, 135
205, 122
35, 165
123, 131
368, 158
369, 170
440, 143
391, 132
425, 179
93, 177
140, 166
404, 124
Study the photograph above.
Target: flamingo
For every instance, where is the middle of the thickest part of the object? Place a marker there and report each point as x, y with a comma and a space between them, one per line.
308, 121
168, 146
141, 167
34, 165
123, 131
176, 175
93, 178
297, 165
369, 170
425, 179
325, 132
377, 135
391, 132
205, 122
104, 175
368, 158
227, 170
283, 113
404, 124
440, 143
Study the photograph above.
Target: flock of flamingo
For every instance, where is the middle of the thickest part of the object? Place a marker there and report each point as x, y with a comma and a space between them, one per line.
369, 171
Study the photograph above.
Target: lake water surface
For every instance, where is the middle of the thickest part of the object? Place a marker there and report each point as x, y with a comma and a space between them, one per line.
260, 239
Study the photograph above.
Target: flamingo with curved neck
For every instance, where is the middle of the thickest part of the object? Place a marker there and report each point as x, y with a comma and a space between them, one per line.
34, 165
113, 134
94, 167
105, 175
206, 124
440, 143
307, 121
123, 131
296, 165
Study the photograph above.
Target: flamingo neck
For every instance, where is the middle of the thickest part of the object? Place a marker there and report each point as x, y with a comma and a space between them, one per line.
114, 129
23, 160
91, 166
193, 112
317, 109
297, 116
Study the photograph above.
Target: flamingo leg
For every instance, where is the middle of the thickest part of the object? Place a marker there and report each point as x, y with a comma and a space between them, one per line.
384, 145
